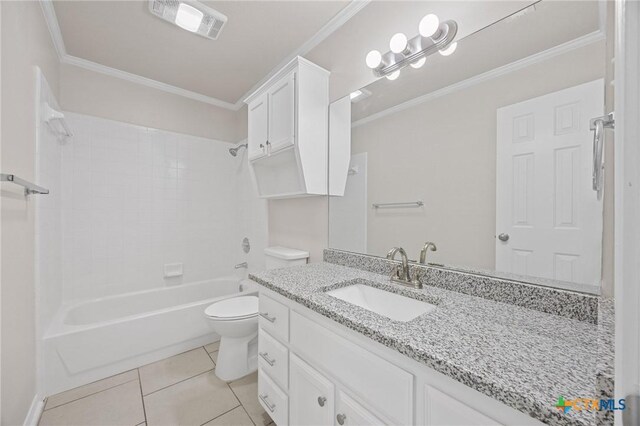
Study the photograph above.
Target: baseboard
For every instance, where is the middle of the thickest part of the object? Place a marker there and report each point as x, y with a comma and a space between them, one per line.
35, 411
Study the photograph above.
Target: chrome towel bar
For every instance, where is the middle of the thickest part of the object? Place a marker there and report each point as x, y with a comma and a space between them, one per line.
29, 188
411, 204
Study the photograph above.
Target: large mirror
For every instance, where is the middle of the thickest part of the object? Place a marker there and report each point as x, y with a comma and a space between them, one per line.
488, 153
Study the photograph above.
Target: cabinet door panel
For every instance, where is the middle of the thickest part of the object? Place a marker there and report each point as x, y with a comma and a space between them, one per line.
351, 413
443, 410
282, 113
311, 395
258, 127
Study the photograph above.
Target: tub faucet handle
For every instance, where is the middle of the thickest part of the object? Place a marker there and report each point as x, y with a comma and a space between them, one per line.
244, 265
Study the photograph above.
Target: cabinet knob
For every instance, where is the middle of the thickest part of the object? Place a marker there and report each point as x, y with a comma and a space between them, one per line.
341, 418
321, 401
261, 145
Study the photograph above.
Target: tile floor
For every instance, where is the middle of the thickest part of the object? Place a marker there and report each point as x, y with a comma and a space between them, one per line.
180, 390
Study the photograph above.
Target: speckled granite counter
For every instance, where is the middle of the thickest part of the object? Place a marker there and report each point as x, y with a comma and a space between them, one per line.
521, 357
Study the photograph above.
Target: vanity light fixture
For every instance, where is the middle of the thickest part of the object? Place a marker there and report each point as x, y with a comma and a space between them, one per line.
434, 36
190, 15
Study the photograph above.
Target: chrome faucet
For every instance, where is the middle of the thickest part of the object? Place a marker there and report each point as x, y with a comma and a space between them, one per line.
401, 273
243, 265
423, 253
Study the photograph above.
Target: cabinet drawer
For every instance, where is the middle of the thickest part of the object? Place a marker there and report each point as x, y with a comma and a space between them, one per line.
444, 410
377, 382
273, 399
274, 318
273, 358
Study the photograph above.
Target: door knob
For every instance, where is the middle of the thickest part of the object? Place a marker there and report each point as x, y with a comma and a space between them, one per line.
503, 237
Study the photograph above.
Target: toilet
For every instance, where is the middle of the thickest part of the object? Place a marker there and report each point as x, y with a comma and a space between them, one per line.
236, 320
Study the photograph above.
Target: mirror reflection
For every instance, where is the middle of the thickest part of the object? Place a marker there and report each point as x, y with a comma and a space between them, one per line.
488, 154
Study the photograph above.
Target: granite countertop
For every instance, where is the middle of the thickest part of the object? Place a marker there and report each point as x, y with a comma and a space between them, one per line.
522, 357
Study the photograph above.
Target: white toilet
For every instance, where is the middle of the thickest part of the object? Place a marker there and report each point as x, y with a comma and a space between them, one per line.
236, 321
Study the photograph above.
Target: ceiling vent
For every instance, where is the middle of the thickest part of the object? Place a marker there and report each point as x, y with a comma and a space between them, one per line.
192, 16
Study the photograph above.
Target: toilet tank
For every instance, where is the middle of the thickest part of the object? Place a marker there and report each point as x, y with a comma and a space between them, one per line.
284, 257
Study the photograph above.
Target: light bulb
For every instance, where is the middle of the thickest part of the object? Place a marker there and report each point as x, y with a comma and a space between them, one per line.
393, 75
428, 25
188, 17
374, 59
398, 43
419, 63
449, 49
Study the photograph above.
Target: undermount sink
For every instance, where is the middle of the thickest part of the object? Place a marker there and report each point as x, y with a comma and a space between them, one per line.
385, 303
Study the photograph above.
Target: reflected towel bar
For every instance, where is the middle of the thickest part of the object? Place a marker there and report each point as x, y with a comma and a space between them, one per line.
411, 204
29, 188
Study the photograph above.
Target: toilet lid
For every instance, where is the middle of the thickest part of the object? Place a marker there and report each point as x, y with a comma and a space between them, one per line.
234, 307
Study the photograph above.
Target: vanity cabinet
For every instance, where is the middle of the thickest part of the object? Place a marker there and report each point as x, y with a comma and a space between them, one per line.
288, 132
312, 395
314, 371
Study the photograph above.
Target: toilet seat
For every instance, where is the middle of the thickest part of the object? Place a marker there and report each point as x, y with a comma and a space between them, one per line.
234, 308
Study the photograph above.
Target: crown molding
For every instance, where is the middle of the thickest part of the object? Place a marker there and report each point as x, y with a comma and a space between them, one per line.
135, 78
560, 49
348, 12
54, 29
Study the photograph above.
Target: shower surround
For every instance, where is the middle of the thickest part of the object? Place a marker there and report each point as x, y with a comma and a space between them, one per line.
131, 200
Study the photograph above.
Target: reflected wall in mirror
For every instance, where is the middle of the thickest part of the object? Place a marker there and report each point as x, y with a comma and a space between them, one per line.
492, 152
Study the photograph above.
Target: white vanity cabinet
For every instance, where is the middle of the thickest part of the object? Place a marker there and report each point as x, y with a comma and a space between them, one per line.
312, 395
288, 132
313, 371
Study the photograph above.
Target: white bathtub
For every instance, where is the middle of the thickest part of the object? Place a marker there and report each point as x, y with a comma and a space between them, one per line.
98, 338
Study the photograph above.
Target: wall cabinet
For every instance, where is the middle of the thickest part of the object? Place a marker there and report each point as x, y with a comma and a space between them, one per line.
288, 132
339, 377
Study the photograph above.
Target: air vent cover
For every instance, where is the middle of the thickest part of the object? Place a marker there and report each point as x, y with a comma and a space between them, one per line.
212, 21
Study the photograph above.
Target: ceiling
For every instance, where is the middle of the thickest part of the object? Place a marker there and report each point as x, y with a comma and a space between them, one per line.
258, 36
542, 27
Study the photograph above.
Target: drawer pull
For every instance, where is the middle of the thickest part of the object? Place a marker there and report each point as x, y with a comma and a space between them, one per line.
341, 418
265, 356
271, 407
266, 316
321, 401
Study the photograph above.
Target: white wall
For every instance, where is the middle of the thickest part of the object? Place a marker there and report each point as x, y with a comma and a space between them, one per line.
100, 95
137, 198
25, 43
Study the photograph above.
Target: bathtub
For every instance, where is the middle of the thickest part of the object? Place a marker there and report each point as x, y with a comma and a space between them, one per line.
97, 338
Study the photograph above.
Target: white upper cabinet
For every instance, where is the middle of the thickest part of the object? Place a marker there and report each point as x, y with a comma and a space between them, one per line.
258, 127
282, 117
288, 132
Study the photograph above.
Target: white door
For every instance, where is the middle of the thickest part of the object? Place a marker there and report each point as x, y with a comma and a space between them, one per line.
350, 413
282, 114
443, 410
258, 128
311, 395
548, 219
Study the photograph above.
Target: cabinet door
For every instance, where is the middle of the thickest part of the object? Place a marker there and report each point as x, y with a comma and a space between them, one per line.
258, 127
351, 413
282, 114
444, 410
311, 395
